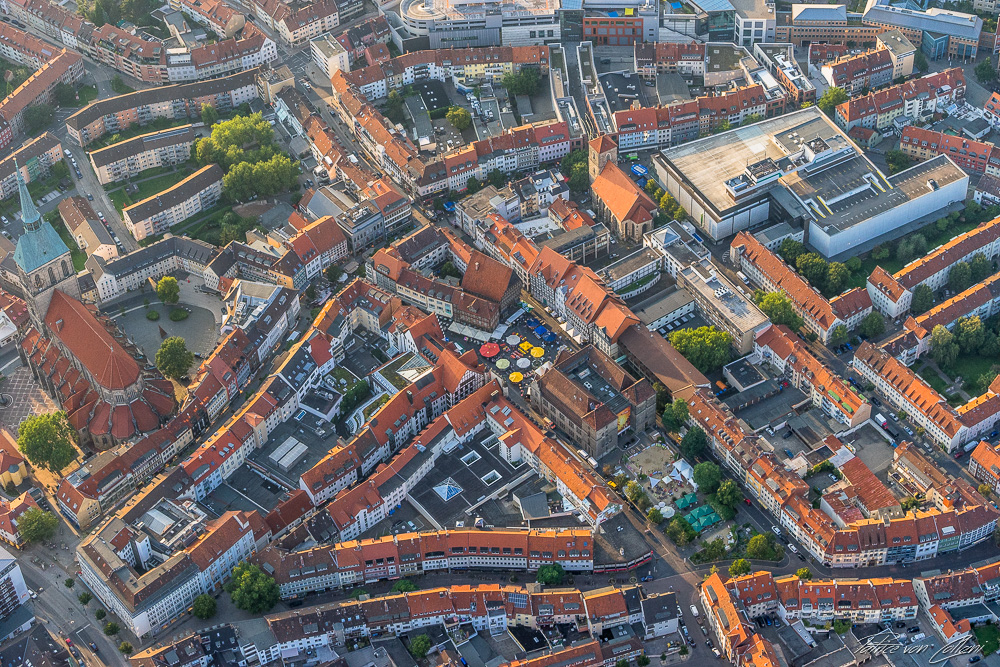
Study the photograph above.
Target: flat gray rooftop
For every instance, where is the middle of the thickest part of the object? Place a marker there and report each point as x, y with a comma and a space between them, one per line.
708, 163
857, 208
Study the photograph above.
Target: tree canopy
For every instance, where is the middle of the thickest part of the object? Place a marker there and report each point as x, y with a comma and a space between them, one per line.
420, 646
204, 606
762, 547
173, 359
873, 325
707, 476
460, 118
675, 415
551, 575
693, 443
209, 116
898, 161
524, 82
706, 348
45, 441
575, 167
38, 116
778, 309
923, 299
729, 494
37, 525
252, 590
830, 99
245, 148
944, 349
804, 574
404, 586
739, 567
168, 290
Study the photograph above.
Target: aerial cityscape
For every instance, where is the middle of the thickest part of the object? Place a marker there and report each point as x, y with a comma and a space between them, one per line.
499, 333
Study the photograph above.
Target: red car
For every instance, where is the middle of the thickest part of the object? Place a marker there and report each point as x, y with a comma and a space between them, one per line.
959, 455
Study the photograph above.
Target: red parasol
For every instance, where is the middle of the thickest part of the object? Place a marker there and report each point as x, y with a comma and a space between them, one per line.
489, 350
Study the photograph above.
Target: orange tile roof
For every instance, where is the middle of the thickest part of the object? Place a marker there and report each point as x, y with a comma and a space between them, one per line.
948, 254
622, 196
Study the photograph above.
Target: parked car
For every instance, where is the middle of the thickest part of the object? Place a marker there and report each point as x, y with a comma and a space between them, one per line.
776, 530
694, 611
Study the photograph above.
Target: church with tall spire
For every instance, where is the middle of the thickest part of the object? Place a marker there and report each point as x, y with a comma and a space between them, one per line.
75, 353
43, 261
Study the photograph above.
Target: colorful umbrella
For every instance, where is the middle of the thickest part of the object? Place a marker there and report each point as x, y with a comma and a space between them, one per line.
538, 352
532, 323
541, 331
526, 346
513, 339
523, 362
489, 350
515, 377
549, 338
503, 364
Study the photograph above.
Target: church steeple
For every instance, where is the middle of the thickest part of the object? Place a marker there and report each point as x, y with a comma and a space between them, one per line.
29, 214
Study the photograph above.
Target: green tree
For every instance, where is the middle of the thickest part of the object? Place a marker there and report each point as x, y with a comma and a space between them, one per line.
38, 116
880, 252
404, 586
985, 72
706, 348
853, 264
621, 663
833, 97
472, 186
980, 266
449, 269
873, 325
707, 476
173, 359
642, 660
204, 606
209, 116
667, 202
804, 574
740, 567
111, 629
497, 178
551, 575
729, 494
45, 441
460, 118
838, 336
576, 170
969, 334
655, 516
680, 531
125, 648
10, 489
693, 443
37, 525
524, 82
923, 299
778, 309
790, 250
65, 94
99, 614
633, 491
898, 161
333, 273
168, 290
394, 107
837, 277
84, 598
840, 626
813, 268
920, 61
944, 349
419, 646
252, 590
761, 547
651, 188
675, 415
984, 490
960, 277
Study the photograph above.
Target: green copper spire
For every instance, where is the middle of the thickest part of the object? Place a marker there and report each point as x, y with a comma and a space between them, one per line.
30, 215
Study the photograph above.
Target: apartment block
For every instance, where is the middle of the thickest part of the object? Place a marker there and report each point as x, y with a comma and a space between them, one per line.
129, 158
66, 67
156, 214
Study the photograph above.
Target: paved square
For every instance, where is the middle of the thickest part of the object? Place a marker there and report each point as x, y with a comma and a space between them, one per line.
28, 399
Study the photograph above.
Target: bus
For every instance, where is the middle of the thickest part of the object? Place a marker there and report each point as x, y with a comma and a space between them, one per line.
633, 156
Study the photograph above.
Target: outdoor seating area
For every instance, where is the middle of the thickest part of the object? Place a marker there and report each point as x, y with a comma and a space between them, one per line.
702, 517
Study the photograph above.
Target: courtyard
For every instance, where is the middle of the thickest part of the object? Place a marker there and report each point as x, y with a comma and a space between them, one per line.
199, 329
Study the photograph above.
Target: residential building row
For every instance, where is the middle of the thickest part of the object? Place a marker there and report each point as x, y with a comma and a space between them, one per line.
975, 157
65, 67
858, 72
146, 58
764, 268
900, 105
892, 294
127, 159
176, 102
296, 24
158, 213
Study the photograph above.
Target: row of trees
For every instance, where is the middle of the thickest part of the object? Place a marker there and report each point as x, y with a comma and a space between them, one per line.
576, 168
830, 278
668, 205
